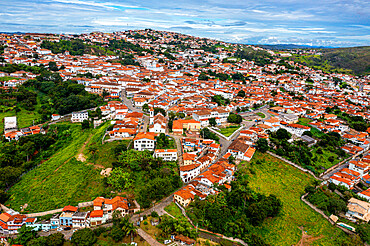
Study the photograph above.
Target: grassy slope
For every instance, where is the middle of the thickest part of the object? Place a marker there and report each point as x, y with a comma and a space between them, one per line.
60, 181
287, 183
174, 210
353, 60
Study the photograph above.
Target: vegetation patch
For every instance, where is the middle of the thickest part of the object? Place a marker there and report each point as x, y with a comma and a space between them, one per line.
61, 180
270, 175
228, 131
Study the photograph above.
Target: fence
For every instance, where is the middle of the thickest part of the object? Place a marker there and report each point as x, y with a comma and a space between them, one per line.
294, 165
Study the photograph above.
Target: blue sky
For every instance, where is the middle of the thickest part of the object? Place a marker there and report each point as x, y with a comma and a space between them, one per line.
333, 23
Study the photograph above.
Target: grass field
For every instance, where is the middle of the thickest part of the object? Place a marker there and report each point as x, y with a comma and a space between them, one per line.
174, 210
273, 176
262, 115
228, 131
61, 180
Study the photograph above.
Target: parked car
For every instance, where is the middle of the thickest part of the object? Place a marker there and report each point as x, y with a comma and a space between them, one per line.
67, 228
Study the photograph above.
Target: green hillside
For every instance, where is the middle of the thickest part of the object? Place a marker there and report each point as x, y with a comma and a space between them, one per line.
354, 60
61, 180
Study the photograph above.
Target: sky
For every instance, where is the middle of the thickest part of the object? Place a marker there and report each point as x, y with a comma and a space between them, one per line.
331, 23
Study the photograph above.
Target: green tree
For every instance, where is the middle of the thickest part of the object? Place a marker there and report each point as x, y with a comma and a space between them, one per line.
85, 124
25, 235
262, 145
145, 107
55, 239
234, 118
283, 134
120, 179
241, 93
117, 234
212, 121
84, 237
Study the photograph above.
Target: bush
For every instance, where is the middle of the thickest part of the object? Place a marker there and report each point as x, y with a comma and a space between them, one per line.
154, 214
145, 222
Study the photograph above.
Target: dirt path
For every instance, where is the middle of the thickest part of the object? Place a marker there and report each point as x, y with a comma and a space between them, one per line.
306, 239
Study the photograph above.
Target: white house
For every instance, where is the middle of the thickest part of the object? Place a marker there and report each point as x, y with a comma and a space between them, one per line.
166, 154
79, 116
145, 141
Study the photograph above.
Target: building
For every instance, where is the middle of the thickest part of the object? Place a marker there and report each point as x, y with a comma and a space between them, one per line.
65, 218
79, 116
178, 126
108, 206
10, 124
166, 154
55, 117
145, 141
184, 196
97, 217
81, 220
159, 124
12, 221
358, 209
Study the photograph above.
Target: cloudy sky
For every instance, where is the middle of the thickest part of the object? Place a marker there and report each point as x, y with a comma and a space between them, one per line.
334, 23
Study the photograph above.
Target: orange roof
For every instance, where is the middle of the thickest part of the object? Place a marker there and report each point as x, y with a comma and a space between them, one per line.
148, 135
96, 213
70, 209
5, 217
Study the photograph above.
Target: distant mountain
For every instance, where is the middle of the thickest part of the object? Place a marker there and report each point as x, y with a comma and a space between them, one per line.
354, 60
289, 46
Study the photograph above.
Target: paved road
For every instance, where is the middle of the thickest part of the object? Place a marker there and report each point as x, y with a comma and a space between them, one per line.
148, 238
128, 103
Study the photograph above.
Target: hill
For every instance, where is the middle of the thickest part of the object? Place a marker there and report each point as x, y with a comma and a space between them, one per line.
354, 60
269, 175
289, 46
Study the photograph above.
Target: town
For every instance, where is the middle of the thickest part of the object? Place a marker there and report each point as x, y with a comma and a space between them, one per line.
206, 105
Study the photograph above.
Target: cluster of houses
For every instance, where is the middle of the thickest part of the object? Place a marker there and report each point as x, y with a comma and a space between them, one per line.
204, 184
70, 216
11, 131
357, 171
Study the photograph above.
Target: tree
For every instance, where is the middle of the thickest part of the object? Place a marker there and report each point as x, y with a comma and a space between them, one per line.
241, 93
119, 179
162, 141
117, 234
262, 145
25, 235
53, 66
84, 237
212, 121
283, 134
159, 110
85, 124
55, 239
234, 118
146, 107
364, 232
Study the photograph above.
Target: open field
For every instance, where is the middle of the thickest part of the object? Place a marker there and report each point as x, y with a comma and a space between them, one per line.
174, 210
228, 131
62, 180
273, 176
